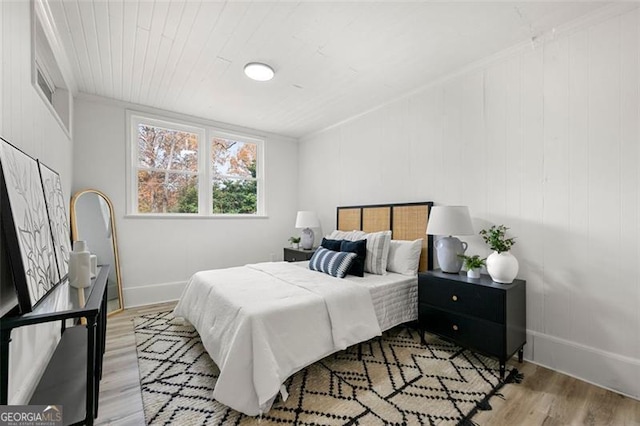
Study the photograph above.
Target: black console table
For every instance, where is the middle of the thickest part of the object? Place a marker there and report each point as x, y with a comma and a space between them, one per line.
478, 314
72, 377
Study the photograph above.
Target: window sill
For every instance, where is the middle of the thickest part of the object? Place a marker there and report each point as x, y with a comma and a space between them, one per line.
193, 216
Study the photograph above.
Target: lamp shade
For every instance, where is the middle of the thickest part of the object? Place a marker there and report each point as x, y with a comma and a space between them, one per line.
450, 220
307, 219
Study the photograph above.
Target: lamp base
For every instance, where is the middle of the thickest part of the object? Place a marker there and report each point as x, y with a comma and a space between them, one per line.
307, 239
448, 251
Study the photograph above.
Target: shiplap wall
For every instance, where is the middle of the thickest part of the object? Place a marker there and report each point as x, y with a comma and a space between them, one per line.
544, 139
27, 122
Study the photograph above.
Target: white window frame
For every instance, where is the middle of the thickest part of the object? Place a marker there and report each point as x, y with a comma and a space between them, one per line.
212, 133
205, 172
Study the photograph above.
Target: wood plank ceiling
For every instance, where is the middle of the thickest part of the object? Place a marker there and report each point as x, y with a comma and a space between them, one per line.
333, 60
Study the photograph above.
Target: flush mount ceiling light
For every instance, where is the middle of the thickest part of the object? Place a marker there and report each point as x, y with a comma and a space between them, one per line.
258, 71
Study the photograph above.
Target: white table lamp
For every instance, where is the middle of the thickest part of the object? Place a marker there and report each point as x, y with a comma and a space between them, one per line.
448, 221
307, 220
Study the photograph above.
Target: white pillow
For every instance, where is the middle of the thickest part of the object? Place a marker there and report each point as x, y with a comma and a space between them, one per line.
346, 235
404, 256
377, 252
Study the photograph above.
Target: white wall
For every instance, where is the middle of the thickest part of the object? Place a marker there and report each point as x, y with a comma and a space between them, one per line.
544, 139
27, 122
157, 256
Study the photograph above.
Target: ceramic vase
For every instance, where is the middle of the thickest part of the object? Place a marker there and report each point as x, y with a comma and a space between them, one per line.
94, 266
473, 273
502, 267
80, 265
448, 252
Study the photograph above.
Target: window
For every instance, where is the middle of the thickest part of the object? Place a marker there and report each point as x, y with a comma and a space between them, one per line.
47, 76
233, 174
181, 169
167, 170
46, 87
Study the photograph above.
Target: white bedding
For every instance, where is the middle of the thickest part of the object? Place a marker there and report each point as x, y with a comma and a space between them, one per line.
394, 296
262, 323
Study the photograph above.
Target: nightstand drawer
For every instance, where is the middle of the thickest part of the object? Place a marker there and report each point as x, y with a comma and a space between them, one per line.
463, 298
484, 336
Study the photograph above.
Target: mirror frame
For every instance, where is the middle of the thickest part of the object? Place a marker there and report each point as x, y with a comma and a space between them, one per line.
74, 236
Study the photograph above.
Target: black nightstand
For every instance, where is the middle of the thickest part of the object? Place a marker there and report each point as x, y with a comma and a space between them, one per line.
477, 314
297, 255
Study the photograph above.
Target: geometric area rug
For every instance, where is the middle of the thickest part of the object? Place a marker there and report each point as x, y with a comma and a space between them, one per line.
397, 381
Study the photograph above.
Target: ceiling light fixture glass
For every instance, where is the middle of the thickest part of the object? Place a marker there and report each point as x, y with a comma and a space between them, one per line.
259, 71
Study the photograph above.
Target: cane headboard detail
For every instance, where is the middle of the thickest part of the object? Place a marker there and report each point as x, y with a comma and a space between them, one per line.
406, 221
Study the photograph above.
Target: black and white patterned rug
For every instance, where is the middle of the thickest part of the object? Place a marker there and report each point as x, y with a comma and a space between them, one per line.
397, 381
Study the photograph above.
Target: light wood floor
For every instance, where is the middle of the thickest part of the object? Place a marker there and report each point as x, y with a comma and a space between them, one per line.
544, 397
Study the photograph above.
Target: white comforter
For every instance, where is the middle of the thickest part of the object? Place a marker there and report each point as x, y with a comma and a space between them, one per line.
261, 323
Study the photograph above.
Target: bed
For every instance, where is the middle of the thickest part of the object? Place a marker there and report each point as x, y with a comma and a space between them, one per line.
261, 323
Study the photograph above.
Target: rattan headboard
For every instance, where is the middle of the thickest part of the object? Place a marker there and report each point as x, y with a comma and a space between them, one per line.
407, 221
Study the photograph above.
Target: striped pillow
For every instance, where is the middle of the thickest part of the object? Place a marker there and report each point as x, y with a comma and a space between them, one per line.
331, 262
377, 252
354, 235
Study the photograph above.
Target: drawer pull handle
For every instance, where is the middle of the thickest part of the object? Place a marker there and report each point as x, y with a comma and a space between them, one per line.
454, 298
455, 327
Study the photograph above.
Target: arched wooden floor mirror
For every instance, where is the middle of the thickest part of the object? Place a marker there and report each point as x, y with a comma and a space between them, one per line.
92, 220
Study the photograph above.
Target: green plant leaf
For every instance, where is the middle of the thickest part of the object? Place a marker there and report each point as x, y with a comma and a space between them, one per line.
496, 239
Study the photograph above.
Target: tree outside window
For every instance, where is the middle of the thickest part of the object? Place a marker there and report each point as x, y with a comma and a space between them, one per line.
235, 189
167, 170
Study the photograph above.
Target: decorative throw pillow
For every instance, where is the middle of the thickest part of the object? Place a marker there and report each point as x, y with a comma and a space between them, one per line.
347, 235
360, 249
331, 244
404, 256
331, 262
377, 252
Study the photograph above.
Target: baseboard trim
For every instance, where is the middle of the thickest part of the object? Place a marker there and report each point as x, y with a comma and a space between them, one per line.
152, 294
608, 370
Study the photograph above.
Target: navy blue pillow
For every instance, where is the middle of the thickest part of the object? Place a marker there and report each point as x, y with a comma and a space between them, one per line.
331, 262
333, 245
360, 249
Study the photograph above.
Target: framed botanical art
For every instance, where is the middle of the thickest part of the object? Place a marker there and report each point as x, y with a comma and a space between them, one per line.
58, 219
8, 297
26, 227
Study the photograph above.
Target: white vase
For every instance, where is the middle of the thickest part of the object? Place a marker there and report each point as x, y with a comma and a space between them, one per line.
502, 267
94, 266
473, 273
80, 265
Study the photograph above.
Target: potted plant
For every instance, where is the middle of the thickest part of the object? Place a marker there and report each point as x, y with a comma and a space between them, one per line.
473, 265
502, 266
295, 242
